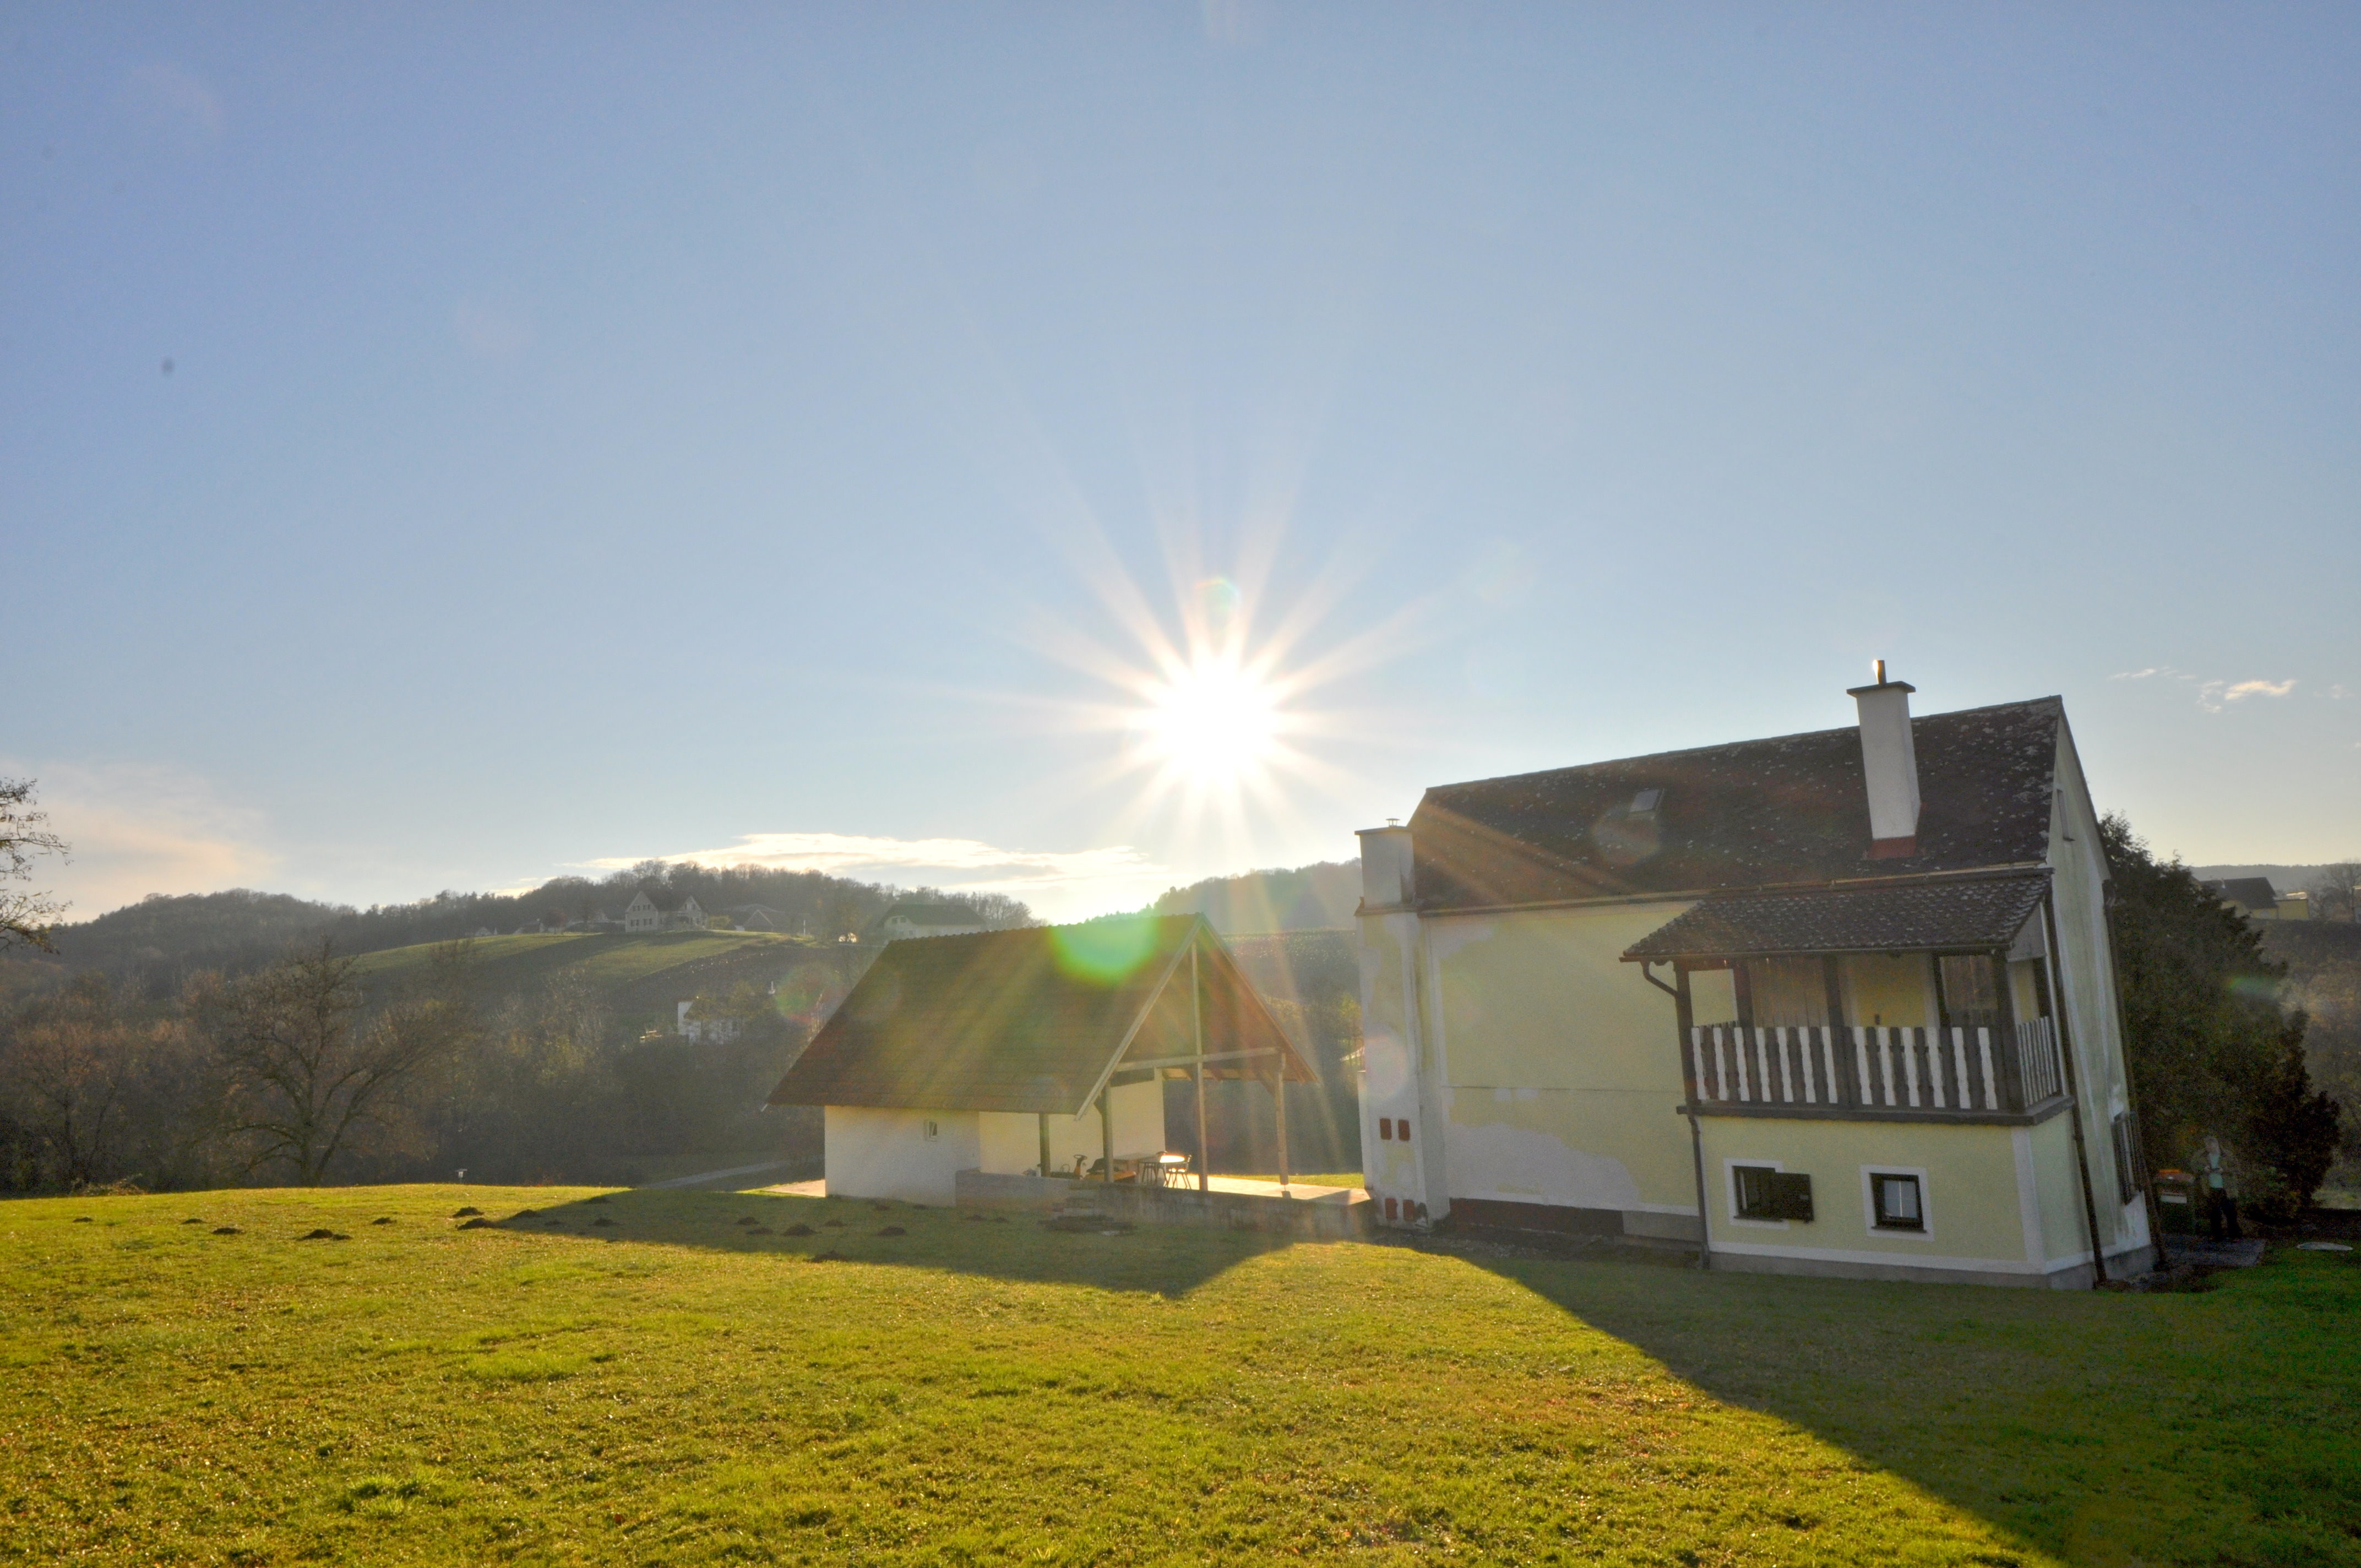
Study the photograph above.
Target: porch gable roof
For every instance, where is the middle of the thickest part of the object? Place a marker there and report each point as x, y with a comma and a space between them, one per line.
1033, 1019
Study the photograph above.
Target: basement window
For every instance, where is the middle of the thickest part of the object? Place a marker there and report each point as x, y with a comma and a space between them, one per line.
1898, 1201
1767, 1194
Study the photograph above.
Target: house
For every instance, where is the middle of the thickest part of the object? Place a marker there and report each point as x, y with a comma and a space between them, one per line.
1840, 1003
720, 1030
913, 917
642, 915
755, 917
2256, 899
1042, 1050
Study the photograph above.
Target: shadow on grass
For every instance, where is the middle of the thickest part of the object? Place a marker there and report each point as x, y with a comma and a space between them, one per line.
817, 1232
2102, 1427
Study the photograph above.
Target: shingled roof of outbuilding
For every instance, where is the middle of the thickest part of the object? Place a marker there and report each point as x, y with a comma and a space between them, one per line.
1975, 913
1757, 814
2247, 891
1031, 1020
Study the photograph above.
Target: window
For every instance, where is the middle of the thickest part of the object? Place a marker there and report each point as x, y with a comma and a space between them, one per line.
1970, 991
1787, 993
2127, 1163
1767, 1194
931, 1131
1895, 1201
1386, 1128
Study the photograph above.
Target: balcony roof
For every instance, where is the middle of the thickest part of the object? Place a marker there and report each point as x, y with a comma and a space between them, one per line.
1974, 913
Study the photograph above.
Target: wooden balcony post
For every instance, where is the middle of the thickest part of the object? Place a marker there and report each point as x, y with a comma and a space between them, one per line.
1838, 1043
1684, 1014
2012, 1065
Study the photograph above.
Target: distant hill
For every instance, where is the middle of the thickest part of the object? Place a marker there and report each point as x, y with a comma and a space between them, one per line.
161, 939
640, 979
1308, 898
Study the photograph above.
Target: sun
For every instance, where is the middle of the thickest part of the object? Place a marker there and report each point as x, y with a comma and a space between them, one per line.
1212, 722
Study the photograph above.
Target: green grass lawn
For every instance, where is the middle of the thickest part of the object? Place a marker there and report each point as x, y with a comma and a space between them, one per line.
672, 1389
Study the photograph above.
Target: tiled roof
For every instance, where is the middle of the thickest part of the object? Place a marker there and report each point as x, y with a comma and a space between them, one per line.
1755, 814
1974, 912
2247, 891
1024, 1020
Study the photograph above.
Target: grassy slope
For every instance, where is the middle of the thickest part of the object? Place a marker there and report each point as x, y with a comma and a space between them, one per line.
686, 1393
640, 976
607, 958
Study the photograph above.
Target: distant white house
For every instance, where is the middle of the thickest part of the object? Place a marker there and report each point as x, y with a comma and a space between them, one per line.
912, 917
718, 1031
642, 915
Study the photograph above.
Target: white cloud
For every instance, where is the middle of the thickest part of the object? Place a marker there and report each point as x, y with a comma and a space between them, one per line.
1057, 883
131, 830
2214, 696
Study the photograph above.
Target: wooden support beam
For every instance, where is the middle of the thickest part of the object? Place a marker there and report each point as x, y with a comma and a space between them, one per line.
1043, 1117
1279, 1098
1190, 1061
1107, 1135
1197, 1032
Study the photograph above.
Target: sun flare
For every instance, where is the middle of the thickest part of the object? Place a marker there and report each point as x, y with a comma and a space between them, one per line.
1211, 720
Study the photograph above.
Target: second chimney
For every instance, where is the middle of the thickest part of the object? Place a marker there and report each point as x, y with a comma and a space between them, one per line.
1889, 766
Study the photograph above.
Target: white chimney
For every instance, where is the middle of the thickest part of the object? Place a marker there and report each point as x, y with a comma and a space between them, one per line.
1387, 877
1889, 766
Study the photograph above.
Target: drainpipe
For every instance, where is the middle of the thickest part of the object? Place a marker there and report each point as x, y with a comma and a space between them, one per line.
2074, 1088
1680, 996
2131, 1087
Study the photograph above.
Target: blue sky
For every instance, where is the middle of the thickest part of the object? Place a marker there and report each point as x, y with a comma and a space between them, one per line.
599, 433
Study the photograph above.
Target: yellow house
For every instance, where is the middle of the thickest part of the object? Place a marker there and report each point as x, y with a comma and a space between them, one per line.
1840, 1003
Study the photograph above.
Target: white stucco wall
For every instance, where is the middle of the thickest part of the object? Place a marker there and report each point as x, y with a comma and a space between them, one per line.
1011, 1141
888, 1154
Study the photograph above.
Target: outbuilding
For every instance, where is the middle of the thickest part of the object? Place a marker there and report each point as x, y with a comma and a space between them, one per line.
1043, 1050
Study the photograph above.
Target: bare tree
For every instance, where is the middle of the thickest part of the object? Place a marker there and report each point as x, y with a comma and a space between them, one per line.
2336, 892
66, 1065
26, 919
308, 1073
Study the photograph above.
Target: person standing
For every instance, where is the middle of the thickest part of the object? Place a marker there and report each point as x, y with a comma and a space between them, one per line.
2220, 1197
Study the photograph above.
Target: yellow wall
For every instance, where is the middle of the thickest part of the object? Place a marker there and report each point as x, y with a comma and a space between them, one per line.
1560, 1064
1970, 1189
1898, 992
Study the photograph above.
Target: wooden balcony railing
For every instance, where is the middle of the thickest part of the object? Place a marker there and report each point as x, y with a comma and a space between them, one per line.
1865, 1069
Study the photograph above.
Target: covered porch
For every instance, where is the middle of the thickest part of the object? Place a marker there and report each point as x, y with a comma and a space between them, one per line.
1927, 999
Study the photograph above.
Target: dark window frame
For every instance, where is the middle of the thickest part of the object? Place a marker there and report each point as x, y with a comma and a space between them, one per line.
1764, 1192
1880, 1219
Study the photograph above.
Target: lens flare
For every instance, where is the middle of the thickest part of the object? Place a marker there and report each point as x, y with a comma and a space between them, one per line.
1213, 721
